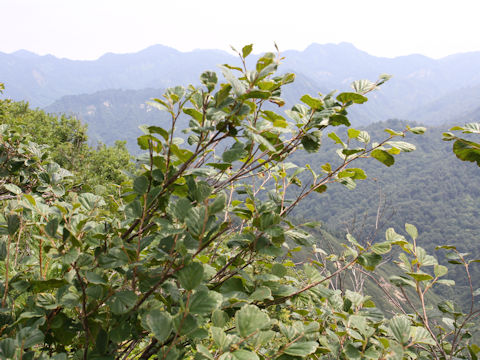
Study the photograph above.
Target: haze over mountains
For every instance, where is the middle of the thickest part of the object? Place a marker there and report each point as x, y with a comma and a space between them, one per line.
422, 89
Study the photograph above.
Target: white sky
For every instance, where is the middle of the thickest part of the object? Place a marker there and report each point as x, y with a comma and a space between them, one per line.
86, 29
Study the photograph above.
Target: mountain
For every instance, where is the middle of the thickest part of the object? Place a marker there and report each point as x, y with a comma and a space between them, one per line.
422, 89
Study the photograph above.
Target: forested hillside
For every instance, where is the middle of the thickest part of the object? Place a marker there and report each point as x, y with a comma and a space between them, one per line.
423, 90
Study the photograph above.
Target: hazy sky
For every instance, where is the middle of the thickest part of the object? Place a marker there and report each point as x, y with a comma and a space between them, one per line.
86, 29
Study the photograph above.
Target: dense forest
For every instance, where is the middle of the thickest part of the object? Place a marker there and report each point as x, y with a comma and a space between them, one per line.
209, 246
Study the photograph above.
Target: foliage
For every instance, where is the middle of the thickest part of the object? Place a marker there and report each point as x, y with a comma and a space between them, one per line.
194, 261
67, 139
464, 149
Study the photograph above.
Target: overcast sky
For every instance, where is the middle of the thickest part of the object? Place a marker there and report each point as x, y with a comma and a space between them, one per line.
86, 29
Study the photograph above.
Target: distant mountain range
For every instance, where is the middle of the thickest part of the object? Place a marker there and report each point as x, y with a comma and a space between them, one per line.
100, 91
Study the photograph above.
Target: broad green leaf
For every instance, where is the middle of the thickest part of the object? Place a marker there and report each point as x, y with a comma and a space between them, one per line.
218, 204
159, 323
8, 348
13, 223
363, 86
402, 145
353, 97
382, 248
383, 156
369, 261
420, 335
467, 150
412, 231
250, 319
418, 130
236, 152
246, 50
13, 188
51, 227
352, 352
28, 337
440, 270
244, 355
219, 318
122, 301
312, 141
420, 276
90, 201
401, 281
353, 133
191, 276
312, 102
400, 327
204, 302
301, 349
115, 257
279, 270
261, 293
236, 84
209, 79
335, 138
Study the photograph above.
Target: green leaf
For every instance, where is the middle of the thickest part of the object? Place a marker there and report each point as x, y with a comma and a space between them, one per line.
51, 227
191, 276
261, 293
335, 138
383, 156
312, 102
353, 173
90, 201
250, 319
13, 223
382, 248
467, 151
209, 79
400, 327
301, 349
312, 141
28, 337
440, 270
412, 231
115, 257
122, 301
352, 352
13, 188
363, 86
418, 130
369, 261
353, 133
204, 302
279, 270
95, 278
401, 281
420, 335
218, 204
159, 323
236, 152
8, 348
420, 276
402, 145
244, 355
353, 97
237, 86
158, 130
246, 50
